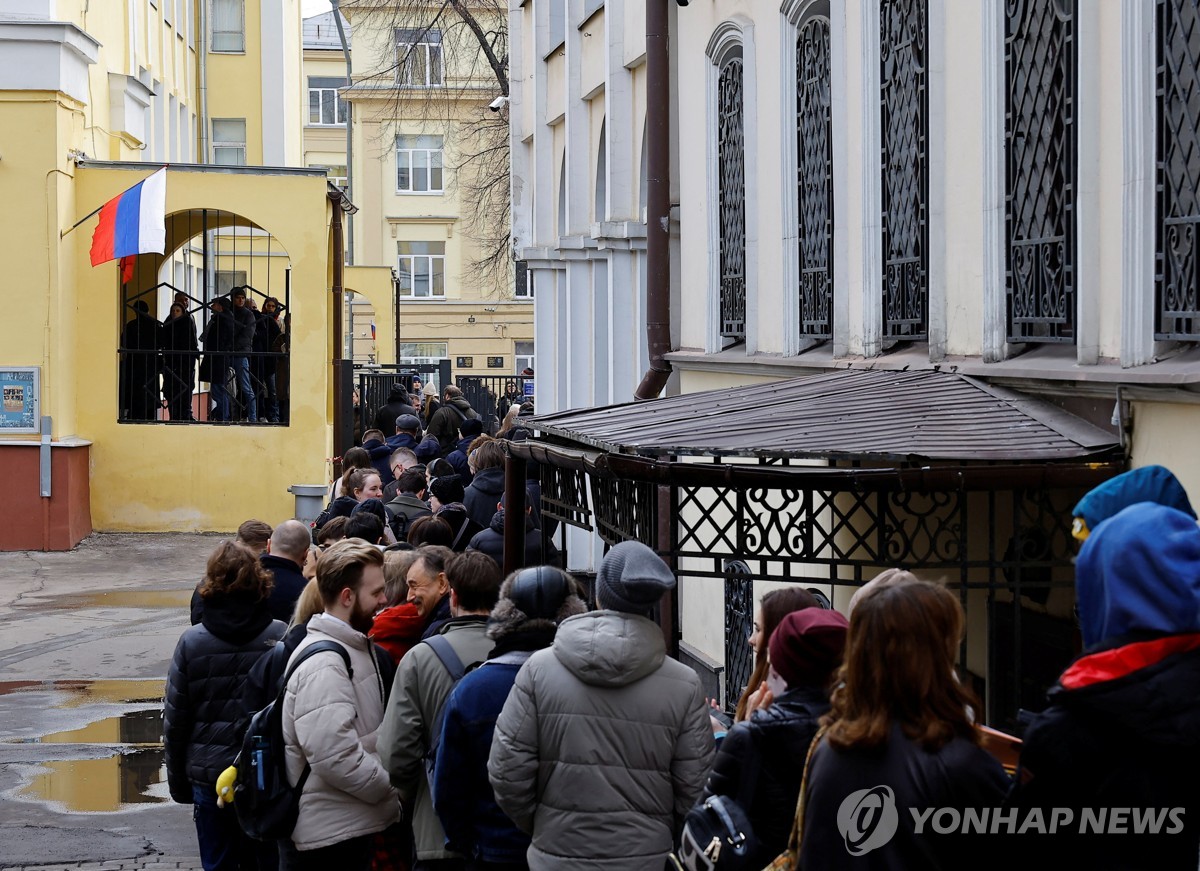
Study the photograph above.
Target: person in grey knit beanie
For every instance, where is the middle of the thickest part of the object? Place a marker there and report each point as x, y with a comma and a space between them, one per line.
632, 578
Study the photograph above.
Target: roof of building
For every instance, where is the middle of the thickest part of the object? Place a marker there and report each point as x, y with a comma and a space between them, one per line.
848, 414
320, 32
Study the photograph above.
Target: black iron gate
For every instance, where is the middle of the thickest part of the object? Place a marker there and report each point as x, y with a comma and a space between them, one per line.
374, 383
493, 395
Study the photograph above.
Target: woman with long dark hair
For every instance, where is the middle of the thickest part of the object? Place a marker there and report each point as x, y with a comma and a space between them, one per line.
203, 717
771, 610
899, 738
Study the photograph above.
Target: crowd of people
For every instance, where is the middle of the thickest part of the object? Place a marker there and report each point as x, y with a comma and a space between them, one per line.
244, 360
506, 723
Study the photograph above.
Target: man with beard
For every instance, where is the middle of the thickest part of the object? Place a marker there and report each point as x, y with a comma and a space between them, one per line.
331, 718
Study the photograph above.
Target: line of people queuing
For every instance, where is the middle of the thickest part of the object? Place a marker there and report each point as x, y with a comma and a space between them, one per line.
244, 360
551, 736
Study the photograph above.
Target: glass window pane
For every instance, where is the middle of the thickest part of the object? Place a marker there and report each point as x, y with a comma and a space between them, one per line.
314, 107
327, 98
229, 129
342, 110
420, 276
435, 65
435, 171
403, 171
405, 272
416, 65
439, 276
420, 170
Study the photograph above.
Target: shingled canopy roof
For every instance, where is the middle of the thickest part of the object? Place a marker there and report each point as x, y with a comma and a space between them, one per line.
848, 414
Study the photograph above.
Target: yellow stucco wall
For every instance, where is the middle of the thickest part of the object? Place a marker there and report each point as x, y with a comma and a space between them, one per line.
163, 477
1164, 434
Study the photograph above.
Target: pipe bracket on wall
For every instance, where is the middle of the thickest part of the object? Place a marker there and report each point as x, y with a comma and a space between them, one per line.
44, 457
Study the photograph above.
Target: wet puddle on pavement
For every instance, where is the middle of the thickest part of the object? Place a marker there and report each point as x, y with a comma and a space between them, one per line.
132, 775
121, 599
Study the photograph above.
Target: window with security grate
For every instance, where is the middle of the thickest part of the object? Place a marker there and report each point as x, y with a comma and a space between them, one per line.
1040, 168
904, 129
814, 134
1177, 218
731, 172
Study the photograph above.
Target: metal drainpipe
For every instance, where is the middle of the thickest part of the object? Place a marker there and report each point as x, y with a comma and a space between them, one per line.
658, 200
339, 401
337, 19
202, 50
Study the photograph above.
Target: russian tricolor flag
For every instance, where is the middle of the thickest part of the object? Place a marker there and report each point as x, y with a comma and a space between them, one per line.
133, 222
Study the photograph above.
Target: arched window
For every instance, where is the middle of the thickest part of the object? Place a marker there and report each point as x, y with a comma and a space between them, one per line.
814, 171
1040, 76
731, 190
1177, 218
904, 125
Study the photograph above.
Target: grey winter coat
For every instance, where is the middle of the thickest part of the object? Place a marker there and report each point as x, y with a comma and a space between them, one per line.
603, 746
420, 690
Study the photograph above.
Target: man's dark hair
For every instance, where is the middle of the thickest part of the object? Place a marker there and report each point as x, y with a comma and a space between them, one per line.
489, 455
412, 481
430, 530
435, 557
475, 579
366, 526
334, 530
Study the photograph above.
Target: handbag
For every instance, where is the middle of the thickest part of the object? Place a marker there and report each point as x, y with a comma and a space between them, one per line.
717, 834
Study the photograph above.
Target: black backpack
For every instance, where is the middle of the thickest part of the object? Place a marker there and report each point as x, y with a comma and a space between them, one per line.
267, 805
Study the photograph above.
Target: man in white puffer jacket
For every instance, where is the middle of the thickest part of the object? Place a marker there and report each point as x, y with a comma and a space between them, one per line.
331, 722
604, 742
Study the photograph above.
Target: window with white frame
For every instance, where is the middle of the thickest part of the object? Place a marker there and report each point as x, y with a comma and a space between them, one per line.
419, 58
422, 353
227, 280
421, 267
523, 356
419, 164
229, 141
337, 174
228, 25
325, 107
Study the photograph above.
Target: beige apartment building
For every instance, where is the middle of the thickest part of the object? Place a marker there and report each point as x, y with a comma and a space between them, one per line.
410, 98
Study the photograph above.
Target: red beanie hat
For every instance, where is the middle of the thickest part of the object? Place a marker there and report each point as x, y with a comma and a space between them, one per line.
807, 646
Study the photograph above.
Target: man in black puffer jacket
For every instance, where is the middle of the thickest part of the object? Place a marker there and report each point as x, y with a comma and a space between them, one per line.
203, 717
771, 746
491, 542
286, 552
487, 487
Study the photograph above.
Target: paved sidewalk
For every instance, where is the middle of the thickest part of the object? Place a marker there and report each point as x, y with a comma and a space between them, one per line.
153, 862
88, 637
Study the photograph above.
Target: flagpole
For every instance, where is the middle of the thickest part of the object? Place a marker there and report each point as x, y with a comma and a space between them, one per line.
77, 223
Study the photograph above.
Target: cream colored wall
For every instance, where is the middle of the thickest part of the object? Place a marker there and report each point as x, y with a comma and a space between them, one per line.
592, 61
150, 477
1165, 434
229, 75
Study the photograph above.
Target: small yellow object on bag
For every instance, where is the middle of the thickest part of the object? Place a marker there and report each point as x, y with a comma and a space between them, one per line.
225, 786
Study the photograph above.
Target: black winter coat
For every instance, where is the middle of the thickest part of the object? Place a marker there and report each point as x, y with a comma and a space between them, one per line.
491, 542
289, 583
959, 775
244, 326
385, 418
203, 716
485, 492
777, 738
1120, 737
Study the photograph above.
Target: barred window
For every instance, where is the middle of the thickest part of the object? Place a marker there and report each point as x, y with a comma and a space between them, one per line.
905, 183
1177, 217
814, 135
1040, 75
731, 170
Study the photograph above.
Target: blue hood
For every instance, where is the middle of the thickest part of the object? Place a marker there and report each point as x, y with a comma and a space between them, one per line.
1146, 484
1139, 572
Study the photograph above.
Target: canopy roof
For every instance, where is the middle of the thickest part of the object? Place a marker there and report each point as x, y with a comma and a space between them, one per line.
848, 414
